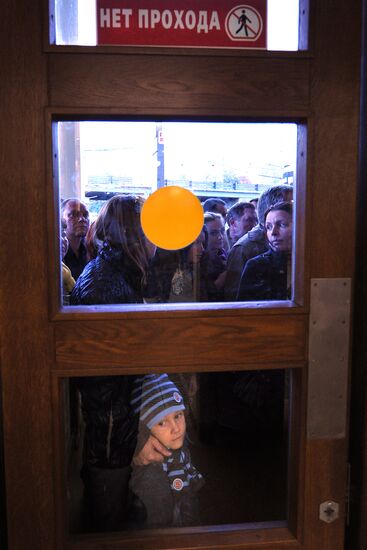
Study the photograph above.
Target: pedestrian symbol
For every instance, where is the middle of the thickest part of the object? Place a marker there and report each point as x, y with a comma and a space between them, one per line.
244, 23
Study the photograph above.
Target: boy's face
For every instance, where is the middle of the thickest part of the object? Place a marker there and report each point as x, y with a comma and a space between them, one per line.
171, 430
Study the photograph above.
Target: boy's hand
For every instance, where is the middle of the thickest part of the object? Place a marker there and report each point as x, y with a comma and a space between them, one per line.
153, 451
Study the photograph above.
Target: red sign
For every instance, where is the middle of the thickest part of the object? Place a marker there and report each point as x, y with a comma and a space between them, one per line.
192, 24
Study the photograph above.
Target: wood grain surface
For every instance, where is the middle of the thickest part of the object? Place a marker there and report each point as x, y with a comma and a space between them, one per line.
320, 90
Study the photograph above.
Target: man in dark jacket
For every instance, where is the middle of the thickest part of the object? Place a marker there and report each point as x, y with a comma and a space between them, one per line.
75, 222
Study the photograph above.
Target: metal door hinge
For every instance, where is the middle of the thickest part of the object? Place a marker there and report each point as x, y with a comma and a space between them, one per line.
329, 511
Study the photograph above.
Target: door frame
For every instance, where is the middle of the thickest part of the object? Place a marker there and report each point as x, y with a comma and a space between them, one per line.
321, 85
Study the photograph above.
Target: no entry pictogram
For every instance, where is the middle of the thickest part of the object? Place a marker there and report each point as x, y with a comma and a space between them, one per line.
244, 23
204, 24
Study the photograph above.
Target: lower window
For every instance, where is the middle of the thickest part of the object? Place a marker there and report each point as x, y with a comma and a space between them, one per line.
176, 450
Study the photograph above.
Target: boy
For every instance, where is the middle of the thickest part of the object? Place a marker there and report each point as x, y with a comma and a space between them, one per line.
166, 491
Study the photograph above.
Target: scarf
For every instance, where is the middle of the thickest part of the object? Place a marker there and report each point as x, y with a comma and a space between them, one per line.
182, 475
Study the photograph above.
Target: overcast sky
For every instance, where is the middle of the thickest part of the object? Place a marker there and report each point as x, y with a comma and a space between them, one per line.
192, 150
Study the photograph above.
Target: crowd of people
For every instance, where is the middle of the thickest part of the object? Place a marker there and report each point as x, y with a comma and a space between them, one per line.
110, 261
242, 253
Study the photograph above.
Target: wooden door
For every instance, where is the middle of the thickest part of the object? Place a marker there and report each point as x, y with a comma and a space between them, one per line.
319, 89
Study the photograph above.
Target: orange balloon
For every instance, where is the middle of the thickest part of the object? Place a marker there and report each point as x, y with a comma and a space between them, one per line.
172, 217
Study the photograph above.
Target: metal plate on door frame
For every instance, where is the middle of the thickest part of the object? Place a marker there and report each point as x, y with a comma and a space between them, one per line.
328, 358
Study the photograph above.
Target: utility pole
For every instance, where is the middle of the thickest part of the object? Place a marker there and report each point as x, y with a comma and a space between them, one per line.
160, 156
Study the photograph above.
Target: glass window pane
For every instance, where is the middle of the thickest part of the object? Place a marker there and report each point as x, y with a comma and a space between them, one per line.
105, 172
224, 436
75, 23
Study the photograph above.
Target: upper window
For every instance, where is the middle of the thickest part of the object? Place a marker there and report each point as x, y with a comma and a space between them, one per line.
75, 23
242, 173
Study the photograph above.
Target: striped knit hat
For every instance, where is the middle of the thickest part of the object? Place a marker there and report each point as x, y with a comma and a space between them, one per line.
153, 397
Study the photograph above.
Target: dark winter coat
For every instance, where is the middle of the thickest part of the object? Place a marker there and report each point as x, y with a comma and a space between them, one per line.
265, 277
111, 278
214, 264
76, 264
111, 426
248, 246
